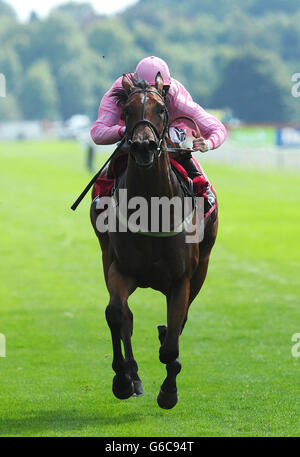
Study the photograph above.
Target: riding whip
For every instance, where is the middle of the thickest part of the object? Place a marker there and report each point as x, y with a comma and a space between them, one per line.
85, 191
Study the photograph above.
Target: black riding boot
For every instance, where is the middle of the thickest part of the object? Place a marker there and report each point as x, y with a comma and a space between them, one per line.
189, 165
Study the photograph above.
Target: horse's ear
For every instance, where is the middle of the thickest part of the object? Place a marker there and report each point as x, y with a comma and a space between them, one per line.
159, 82
127, 84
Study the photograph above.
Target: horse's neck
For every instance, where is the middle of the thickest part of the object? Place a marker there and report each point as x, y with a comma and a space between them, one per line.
157, 181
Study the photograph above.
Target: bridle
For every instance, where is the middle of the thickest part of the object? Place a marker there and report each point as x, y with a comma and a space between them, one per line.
159, 137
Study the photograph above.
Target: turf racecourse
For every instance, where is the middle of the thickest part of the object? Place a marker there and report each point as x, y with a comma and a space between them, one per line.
238, 377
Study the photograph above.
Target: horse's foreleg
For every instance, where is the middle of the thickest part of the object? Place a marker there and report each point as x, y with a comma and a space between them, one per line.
127, 330
120, 287
178, 300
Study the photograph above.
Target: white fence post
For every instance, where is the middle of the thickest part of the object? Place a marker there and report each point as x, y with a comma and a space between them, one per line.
2, 85
2, 345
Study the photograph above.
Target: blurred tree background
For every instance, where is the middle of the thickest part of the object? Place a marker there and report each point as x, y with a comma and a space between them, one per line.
228, 54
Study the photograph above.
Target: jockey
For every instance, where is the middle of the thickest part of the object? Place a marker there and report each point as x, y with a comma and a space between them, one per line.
110, 128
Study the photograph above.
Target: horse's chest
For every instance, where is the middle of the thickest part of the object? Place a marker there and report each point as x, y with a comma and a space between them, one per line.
154, 262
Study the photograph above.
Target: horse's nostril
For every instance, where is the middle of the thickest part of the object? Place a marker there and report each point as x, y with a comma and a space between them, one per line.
152, 145
135, 146
143, 152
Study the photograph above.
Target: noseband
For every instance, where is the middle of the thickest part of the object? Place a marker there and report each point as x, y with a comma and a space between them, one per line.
158, 136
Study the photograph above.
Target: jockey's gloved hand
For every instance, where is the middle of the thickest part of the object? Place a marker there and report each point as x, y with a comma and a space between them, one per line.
201, 144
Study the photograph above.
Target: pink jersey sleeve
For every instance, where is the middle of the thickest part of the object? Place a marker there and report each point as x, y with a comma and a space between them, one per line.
182, 104
106, 129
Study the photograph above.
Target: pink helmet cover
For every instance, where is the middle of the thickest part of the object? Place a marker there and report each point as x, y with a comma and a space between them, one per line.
148, 68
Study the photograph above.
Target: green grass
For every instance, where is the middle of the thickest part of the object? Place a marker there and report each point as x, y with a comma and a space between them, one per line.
238, 377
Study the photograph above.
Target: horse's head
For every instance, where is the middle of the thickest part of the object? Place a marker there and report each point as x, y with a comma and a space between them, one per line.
146, 119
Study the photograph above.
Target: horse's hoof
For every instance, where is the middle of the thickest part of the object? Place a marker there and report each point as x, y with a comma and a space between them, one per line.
122, 390
167, 400
138, 388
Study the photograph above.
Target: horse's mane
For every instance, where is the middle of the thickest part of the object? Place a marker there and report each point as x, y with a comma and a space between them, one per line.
121, 96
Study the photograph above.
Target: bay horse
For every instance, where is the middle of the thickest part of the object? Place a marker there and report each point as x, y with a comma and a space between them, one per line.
131, 260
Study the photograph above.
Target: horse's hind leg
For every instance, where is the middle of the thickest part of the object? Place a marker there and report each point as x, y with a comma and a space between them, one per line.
196, 284
127, 331
120, 287
169, 338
